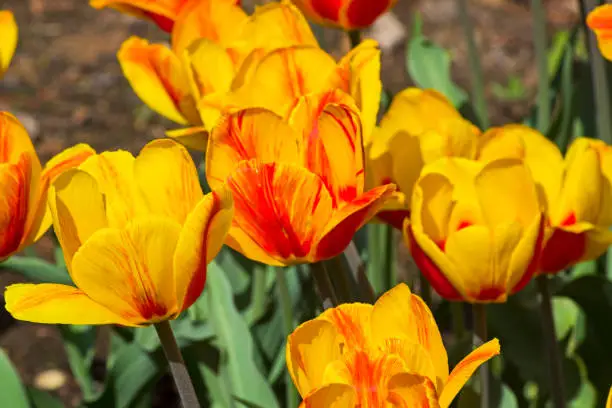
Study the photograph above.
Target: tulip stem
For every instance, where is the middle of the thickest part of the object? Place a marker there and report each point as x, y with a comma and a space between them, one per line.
287, 311
458, 320
539, 41
324, 285
425, 288
184, 386
480, 331
358, 271
550, 338
355, 37
476, 75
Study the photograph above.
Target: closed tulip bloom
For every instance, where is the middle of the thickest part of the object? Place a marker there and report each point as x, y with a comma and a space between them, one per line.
299, 188
576, 192
600, 21
8, 39
476, 230
386, 355
164, 13
420, 127
137, 234
345, 14
24, 215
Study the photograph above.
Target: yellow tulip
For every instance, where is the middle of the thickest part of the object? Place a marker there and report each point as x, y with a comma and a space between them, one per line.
609, 403
389, 354
8, 39
576, 192
24, 215
136, 234
298, 186
420, 127
476, 230
600, 21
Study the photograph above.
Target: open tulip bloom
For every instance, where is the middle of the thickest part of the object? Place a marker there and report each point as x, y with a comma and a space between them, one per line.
346, 14
8, 39
24, 215
476, 230
299, 186
136, 234
600, 21
389, 354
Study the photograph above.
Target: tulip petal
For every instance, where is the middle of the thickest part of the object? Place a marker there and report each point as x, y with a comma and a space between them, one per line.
310, 348
170, 190
352, 321
114, 173
53, 303
158, 78
249, 134
331, 396
279, 211
600, 21
204, 77
201, 239
609, 403
332, 142
400, 314
14, 202
195, 138
8, 33
349, 218
363, 13
416, 359
14, 141
408, 390
129, 270
464, 370
162, 12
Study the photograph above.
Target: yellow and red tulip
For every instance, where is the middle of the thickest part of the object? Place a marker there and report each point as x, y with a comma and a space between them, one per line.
298, 187
388, 354
420, 127
136, 237
476, 230
576, 192
8, 39
24, 215
346, 14
600, 21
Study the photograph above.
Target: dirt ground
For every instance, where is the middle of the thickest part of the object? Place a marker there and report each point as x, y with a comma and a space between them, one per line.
66, 86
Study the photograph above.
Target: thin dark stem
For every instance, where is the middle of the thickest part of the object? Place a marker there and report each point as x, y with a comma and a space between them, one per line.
342, 280
324, 285
358, 271
458, 320
541, 52
355, 37
184, 386
552, 347
480, 331
287, 311
476, 75
425, 288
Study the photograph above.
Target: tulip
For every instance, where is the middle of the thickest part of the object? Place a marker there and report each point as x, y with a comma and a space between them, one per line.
576, 192
420, 127
8, 39
299, 186
600, 21
164, 13
388, 354
345, 14
609, 403
24, 215
136, 238
475, 230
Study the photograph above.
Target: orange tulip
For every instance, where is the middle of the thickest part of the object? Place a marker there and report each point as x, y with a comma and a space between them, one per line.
162, 12
298, 187
137, 234
387, 355
576, 192
8, 39
476, 230
24, 216
346, 14
600, 21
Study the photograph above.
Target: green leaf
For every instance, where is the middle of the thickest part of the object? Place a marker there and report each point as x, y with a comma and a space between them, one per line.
42, 399
12, 393
233, 334
429, 67
37, 270
566, 313
79, 343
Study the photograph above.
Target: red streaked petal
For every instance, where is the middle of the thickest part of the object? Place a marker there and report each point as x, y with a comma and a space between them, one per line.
14, 202
363, 13
328, 9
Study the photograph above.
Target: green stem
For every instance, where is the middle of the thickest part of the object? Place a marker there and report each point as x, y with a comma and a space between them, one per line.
480, 331
539, 40
358, 272
324, 285
550, 338
382, 256
355, 37
184, 386
476, 75
458, 320
341, 280
425, 288
259, 293
287, 311
600, 80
